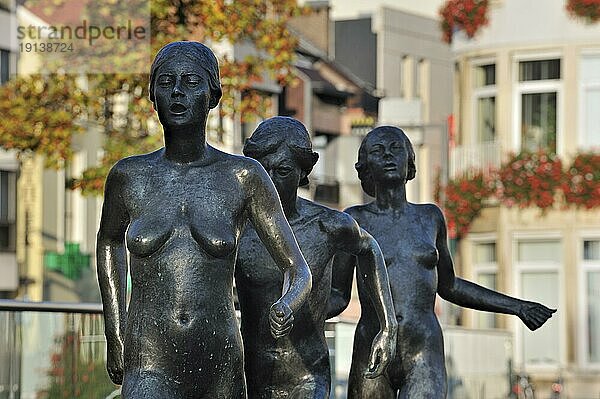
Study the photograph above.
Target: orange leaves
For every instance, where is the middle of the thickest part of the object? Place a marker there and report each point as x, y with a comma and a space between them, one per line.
40, 114
259, 23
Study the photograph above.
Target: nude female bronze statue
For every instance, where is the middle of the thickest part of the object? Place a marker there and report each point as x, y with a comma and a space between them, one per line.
297, 366
180, 211
413, 240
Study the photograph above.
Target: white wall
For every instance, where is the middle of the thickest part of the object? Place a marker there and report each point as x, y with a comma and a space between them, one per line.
518, 22
348, 9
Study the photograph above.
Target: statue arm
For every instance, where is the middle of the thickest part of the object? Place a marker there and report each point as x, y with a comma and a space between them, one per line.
341, 283
371, 266
111, 259
266, 214
467, 294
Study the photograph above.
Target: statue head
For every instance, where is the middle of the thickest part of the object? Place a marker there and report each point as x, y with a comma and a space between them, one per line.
385, 155
198, 56
282, 145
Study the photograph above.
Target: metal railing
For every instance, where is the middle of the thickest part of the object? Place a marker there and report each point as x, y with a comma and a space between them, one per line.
53, 350
469, 159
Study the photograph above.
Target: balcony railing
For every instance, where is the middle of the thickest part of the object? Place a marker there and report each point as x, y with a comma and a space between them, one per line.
467, 159
50, 350
54, 350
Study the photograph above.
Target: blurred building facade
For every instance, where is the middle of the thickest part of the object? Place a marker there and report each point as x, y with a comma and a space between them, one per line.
8, 162
530, 83
56, 229
401, 54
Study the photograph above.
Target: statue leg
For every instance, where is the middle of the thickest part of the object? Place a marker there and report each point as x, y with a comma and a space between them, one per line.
148, 385
426, 378
314, 387
360, 387
230, 382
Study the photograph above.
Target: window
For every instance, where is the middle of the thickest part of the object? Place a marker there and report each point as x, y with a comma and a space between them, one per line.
486, 269
539, 70
589, 72
538, 94
538, 266
485, 102
591, 296
8, 184
485, 75
406, 79
4, 66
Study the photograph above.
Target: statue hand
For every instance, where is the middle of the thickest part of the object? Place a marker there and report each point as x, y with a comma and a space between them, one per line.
534, 314
114, 364
383, 350
281, 319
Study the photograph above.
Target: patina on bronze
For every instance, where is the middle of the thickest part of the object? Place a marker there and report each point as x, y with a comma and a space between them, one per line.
413, 240
297, 366
180, 211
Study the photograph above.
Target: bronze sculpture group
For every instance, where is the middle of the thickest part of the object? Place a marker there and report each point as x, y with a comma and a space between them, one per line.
194, 218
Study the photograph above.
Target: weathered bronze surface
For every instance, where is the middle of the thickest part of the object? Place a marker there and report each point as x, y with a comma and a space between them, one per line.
180, 212
297, 366
413, 240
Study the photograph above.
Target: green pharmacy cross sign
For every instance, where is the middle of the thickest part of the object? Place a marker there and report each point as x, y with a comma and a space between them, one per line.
70, 263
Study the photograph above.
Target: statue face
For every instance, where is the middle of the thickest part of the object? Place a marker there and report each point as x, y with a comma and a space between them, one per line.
181, 93
283, 170
387, 157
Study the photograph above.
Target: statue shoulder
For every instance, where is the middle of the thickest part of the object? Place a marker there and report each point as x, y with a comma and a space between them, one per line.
432, 212
357, 211
135, 164
248, 171
332, 219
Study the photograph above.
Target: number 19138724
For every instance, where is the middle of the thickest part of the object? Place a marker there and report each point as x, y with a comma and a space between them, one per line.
46, 47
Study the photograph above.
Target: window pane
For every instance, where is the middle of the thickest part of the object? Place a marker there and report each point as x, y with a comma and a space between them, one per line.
591, 133
538, 122
486, 119
485, 252
594, 316
4, 65
417, 78
591, 250
4, 197
4, 238
539, 70
541, 346
590, 69
529, 251
485, 75
486, 319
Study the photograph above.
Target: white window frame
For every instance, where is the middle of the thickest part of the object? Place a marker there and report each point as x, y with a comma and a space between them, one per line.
583, 87
483, 268
542, 267
534, 87
482, 92
584, 268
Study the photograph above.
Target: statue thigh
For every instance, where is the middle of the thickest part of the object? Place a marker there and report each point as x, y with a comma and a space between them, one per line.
313, 388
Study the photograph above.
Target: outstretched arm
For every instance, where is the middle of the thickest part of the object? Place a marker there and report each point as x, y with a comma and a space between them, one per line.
112, 271
371, 266
470, 295
266, 214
